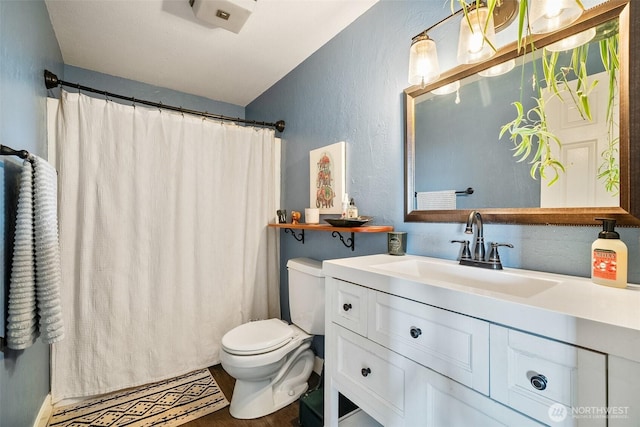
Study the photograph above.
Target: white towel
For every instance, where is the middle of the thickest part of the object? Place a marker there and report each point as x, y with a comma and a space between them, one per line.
22, 317
48, 274
436, 200
34, 287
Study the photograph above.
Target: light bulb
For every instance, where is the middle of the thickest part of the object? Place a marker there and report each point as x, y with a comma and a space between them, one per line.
423, 61
475, 43
546, 16
477, 35
552, 10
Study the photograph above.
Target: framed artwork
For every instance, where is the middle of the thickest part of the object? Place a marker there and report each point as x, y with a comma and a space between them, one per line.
327, 178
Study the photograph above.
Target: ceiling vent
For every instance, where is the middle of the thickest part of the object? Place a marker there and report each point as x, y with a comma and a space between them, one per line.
228, 14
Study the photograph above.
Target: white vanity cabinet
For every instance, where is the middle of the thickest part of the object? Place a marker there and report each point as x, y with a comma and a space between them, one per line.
412, 352
379, 349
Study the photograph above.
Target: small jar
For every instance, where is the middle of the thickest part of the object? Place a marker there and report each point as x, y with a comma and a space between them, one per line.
352, 211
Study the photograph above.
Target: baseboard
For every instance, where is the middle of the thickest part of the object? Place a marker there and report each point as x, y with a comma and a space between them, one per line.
317, 365
45, 412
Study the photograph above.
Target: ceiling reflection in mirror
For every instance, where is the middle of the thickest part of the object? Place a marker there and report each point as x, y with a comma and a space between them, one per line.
479, 125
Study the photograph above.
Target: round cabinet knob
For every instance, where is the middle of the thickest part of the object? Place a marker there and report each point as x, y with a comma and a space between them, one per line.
539, 382
415, 332
347, 307
365, 372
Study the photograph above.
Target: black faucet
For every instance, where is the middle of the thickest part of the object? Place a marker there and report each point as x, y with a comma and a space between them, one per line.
478, 249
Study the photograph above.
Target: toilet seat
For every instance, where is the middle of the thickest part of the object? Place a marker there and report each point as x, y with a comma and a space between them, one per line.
258, 337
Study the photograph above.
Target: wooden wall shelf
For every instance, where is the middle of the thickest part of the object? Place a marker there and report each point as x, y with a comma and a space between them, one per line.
335, 231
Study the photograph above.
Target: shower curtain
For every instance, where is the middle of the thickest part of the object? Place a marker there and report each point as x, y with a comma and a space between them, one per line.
164, 241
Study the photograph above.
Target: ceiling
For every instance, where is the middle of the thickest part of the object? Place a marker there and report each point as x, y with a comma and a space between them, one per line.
160, 42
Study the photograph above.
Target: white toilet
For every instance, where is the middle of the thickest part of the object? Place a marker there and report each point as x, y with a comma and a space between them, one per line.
270, 359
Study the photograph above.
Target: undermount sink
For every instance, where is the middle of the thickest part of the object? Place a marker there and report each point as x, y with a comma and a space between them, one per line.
520, 285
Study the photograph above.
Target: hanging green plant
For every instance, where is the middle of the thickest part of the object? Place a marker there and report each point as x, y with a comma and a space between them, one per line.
529, 131
609, 169
558, 81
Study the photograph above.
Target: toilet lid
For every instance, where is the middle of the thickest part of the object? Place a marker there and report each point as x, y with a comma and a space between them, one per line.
257, 337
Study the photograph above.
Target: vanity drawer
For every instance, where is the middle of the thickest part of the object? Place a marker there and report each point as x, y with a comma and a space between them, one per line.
545, 379
399, 392
373, 371
454, 345
349, 306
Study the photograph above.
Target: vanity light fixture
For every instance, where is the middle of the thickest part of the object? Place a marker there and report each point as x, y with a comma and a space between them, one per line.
423, 60
573, 41
546, 16
476, 45
473, 45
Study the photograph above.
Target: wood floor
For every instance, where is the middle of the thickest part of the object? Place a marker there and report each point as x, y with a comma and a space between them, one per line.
285, 417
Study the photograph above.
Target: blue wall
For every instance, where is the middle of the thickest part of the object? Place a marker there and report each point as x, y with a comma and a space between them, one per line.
131, 88
351, 90
28, 46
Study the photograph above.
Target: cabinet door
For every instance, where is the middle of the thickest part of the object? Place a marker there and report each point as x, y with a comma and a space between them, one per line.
372, 377
453, 405
398, 392
553, 382
454, 345
624, 392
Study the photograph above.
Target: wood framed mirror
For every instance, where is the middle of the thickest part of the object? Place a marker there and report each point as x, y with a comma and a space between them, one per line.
448, 168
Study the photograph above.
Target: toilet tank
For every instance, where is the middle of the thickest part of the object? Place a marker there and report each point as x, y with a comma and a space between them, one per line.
306, 294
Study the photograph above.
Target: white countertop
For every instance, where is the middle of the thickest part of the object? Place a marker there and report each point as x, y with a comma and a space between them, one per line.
574, 310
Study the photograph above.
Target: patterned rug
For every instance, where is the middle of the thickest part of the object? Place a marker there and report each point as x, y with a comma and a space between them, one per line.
167, 403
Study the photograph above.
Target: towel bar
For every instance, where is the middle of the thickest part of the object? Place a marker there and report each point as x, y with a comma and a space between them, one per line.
8, 151
458, 193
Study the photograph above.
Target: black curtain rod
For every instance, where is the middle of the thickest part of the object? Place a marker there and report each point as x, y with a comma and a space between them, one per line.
51, 81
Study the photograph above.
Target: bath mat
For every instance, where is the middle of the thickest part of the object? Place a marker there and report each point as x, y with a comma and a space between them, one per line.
166, 403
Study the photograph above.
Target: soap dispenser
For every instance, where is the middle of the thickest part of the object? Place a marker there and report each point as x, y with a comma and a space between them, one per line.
609, 257
345, 205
